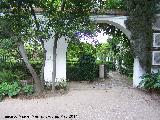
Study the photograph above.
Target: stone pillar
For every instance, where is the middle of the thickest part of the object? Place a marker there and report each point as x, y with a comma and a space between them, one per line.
137, 72
61, 59
48, 68
101, 71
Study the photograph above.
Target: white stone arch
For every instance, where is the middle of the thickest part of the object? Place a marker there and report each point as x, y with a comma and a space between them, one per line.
117, 21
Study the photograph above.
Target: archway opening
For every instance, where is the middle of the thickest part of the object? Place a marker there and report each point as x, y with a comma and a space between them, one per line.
114, 52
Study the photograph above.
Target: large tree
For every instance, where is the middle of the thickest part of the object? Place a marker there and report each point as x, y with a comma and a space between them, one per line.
19, 23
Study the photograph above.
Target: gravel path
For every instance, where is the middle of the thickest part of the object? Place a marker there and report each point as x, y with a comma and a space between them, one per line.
111, 99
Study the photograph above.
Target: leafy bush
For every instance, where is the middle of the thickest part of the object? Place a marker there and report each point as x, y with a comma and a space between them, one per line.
151, 81
13, 89
110, 66
10, 89
87, 67
72, 72
7, 76
28, 89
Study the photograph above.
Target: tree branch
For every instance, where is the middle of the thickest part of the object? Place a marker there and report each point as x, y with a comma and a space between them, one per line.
63, 2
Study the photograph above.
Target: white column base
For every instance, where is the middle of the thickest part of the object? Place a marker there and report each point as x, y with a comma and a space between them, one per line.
137, 73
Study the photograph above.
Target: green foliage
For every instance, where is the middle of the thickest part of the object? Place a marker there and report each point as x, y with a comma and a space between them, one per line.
10, 89
4, 88
87, 67
75, 50
11, 62
13, 89
61, 85
72, 71
122, 52
37, 65
28, 89
83, 69
118, 48
151, 81
73, 17
7, 76
34, 51
103, 51
114, 4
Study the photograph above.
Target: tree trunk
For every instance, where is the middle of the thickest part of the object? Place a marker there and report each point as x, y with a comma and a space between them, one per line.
38, 87
54, 62
42, 43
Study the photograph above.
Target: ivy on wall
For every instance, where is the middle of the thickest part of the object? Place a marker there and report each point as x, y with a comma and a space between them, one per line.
140, 21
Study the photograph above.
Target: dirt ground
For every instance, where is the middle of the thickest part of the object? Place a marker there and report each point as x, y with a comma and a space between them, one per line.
109, 99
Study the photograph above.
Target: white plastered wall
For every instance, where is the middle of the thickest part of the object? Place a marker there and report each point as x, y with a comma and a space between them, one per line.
60, 59
48, 68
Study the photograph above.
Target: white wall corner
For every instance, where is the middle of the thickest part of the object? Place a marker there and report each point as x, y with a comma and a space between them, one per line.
138, 71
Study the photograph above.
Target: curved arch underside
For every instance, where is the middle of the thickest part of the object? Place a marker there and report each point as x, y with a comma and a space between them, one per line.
117, 21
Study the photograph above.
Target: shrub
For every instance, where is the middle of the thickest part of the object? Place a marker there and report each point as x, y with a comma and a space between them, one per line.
110, 66
10, 89
87, 67
72, 72
13, 89
7, 76
151, 81
28, 89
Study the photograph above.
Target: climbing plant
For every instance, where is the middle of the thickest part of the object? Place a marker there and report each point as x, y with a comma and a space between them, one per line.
141, 17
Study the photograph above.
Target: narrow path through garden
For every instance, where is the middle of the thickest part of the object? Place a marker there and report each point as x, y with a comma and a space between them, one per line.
114, 79
110, 99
